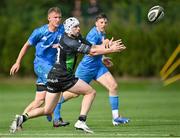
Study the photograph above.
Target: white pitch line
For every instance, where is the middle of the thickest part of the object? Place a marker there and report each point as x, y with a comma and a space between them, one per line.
85, 134
140, 120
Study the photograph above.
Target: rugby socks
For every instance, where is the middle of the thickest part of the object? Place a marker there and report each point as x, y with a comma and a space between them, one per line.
25, 117
114, 102
82, 118
57, 114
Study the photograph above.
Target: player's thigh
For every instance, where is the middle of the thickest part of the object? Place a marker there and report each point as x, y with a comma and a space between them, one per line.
41, 90
107, 80
81, 87
51, 101
68, 95
40, 95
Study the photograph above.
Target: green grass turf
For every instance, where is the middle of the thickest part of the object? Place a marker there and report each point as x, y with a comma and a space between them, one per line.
154, 111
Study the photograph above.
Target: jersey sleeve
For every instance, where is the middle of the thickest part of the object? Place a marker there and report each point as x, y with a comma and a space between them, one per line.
34, 37
92, 38
84, 48
79, 45
84, 40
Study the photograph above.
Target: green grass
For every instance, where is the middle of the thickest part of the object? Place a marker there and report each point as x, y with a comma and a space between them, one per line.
154, 111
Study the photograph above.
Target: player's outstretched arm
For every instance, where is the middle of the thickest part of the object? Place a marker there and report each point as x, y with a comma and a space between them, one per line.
14, 69
113, 46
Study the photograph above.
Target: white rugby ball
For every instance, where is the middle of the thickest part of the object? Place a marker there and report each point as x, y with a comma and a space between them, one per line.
155, 13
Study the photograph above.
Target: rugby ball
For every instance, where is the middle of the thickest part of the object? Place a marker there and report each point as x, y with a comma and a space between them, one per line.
156, 13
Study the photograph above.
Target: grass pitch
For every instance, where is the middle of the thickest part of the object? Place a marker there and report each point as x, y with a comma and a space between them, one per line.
154, 111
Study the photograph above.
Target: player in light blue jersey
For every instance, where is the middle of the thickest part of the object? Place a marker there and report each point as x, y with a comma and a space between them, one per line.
44, 40
94, 68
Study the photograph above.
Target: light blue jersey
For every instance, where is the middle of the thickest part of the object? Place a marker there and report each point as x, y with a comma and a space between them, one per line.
91, 67
42, 39
95, 37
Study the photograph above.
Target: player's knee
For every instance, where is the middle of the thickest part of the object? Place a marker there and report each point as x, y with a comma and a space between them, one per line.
93, 92
113, 87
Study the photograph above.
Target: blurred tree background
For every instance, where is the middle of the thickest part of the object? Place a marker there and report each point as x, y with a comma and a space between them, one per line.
149, 45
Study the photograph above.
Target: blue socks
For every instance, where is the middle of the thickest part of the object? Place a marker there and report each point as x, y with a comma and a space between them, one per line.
57, 114
114, 102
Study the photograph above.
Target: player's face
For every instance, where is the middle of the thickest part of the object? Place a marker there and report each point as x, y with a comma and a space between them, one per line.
54, 19
75, 30
101, 24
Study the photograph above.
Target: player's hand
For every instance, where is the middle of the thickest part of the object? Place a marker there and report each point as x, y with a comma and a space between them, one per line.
107, 61
14, 69
110, 42
105, 42
117, 46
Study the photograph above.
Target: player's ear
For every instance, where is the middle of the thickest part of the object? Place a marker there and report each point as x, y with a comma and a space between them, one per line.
96, 23
49, 18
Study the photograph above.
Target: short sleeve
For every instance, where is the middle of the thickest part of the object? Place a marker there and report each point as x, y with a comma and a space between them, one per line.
92, 38
34, 37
